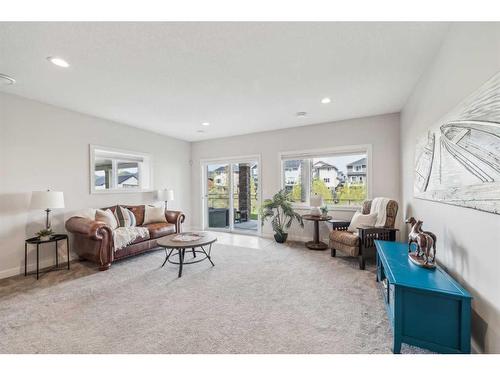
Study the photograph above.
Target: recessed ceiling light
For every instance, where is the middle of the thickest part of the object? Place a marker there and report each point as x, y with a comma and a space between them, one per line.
301, 114
58, 61
205, 123
325, 100
200, 131
5, 80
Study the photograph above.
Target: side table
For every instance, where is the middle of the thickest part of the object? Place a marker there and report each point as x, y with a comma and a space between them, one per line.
36, 241
316, 244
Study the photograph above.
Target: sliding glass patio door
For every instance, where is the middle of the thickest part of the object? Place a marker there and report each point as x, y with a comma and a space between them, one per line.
232, 195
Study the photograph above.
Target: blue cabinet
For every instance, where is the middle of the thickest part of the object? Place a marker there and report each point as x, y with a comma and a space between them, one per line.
426, 308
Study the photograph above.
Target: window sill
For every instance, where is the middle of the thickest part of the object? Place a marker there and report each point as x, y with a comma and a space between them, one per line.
333, 209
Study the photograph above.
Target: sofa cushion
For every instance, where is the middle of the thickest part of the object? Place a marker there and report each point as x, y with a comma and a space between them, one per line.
138, 212
106, 217
157, 230
154, 215
125, 217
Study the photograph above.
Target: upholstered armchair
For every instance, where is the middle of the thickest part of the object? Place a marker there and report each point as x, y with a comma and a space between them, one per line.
361, 242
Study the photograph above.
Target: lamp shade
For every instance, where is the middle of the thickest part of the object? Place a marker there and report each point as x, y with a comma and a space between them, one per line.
161, 194
47, 199
170, 195
165, 194
316, 200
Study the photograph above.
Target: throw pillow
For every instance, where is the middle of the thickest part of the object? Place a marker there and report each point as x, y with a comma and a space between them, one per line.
154, 215
106, 217
360, 220
125, 217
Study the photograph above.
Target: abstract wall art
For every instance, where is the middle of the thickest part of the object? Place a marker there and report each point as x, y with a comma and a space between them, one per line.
457, 161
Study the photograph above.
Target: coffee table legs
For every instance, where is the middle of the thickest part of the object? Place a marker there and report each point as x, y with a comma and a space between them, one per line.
182, 254
208, 255
167, 255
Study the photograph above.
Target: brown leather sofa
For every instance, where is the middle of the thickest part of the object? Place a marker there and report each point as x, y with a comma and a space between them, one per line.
93, 240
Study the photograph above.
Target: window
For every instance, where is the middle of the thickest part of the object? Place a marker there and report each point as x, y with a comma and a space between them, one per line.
118, 170
339, 176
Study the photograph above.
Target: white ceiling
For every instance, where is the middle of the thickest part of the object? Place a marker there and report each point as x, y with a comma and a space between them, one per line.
240, 77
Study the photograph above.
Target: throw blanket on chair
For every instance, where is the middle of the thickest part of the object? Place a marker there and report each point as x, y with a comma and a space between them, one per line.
379, 206
123, 236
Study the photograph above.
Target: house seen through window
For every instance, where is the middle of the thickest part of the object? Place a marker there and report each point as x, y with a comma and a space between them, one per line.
339, 178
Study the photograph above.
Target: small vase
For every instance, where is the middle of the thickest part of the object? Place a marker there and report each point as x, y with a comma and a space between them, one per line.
280, 237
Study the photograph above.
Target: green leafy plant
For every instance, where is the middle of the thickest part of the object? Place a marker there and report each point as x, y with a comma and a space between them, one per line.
45, 232
324, 210
279, 209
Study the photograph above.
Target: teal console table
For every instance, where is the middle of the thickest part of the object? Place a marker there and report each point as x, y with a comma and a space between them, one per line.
426, 308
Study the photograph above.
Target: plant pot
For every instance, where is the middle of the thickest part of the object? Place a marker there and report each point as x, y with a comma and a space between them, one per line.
44, 238
280, 237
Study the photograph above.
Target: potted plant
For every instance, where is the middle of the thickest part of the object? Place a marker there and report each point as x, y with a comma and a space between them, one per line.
45, 234
324, 211
280, 209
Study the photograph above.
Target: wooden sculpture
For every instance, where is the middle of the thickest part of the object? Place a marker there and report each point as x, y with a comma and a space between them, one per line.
425, 253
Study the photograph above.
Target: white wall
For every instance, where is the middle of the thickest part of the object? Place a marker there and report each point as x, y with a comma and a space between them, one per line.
382, 132
468, 240
42, 147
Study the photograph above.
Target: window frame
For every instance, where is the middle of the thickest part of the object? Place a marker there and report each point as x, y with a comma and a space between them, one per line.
332, 151
143, 167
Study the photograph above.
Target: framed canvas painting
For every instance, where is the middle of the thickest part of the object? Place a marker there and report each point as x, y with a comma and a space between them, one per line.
457, 161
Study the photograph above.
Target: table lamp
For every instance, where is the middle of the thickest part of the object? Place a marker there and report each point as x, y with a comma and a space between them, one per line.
165, 195
47, 200
316, 203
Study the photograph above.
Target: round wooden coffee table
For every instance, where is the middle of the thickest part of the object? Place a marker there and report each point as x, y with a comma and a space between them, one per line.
171, 245
316, 244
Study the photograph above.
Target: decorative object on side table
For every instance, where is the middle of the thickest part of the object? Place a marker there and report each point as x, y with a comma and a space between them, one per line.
38, 241
44, 234
324, 211
47, 200
316, 244
425, 252
280, 209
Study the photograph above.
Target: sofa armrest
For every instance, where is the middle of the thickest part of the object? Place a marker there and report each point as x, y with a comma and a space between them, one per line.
175, 217
95, 230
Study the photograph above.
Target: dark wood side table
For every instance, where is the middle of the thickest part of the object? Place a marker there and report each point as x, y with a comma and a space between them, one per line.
316, 244
36, 241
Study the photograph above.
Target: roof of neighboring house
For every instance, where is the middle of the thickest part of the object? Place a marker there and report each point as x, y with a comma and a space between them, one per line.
220, 169
99, 181
360, 161
322, 164
121, 179
292, 163
124, 177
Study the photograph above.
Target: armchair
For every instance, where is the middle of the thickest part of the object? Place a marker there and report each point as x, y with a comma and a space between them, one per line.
360, 243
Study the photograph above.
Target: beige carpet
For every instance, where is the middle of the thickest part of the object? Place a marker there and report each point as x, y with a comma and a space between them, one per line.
275, 299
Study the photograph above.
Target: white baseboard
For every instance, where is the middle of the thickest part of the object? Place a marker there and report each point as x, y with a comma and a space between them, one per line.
44, 263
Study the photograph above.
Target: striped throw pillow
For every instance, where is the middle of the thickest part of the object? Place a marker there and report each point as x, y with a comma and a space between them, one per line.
125, 217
